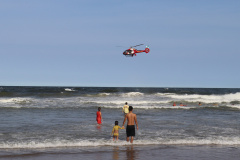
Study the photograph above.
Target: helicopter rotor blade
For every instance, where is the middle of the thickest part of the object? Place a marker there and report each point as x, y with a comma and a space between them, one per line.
138, 45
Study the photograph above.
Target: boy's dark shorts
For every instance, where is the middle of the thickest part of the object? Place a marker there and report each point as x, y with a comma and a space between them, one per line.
130, 130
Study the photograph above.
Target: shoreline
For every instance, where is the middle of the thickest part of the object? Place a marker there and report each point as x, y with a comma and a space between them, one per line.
132, 152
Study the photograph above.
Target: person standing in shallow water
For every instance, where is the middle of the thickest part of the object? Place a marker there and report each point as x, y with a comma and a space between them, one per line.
115, 132
99, 116
125, 109
131, 121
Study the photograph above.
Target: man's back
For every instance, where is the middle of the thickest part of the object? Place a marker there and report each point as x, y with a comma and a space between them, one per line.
131, 117
131, 121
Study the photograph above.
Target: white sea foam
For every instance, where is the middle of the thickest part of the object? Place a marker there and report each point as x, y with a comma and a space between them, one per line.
207, 98
164, 94
235, 106
17, 102
104, 94
103, 142
69, 89
132, 94
136, 99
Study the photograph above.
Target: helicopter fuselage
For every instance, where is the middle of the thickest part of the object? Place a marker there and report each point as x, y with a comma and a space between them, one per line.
132, 51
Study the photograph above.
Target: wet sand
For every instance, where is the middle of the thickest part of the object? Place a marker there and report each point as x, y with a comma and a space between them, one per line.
134, 152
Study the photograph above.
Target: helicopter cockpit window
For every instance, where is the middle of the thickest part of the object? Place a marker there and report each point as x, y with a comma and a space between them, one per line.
126, 52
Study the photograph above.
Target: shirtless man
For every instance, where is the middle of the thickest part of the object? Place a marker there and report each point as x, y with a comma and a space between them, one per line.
131, 118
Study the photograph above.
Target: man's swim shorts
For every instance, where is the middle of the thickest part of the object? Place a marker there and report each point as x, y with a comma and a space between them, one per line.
130, 130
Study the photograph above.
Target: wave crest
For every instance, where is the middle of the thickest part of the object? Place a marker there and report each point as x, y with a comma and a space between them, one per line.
132, 94
103, 142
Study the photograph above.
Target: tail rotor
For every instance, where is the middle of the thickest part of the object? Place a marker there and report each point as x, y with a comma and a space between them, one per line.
147, 49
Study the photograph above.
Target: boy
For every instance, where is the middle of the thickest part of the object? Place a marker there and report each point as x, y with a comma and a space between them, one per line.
115, 131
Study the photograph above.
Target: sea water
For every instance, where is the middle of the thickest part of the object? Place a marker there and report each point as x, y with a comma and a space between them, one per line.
42, 122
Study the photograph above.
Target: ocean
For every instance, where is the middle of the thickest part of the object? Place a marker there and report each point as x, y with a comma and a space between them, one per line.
60, 123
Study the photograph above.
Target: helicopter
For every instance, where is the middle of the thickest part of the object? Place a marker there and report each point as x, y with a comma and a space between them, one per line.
132, 51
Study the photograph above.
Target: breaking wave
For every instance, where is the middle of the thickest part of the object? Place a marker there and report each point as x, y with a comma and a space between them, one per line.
117, 100
109, 142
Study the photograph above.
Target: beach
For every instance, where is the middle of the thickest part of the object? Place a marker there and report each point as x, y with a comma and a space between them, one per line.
60, 123
134, 152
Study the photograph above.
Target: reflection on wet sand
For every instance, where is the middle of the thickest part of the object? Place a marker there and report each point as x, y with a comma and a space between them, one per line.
115, 153
130, 153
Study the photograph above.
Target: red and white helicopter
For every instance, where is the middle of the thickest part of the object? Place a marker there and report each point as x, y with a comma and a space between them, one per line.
132, 51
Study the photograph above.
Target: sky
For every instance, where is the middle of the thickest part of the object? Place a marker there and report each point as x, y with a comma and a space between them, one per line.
80, 43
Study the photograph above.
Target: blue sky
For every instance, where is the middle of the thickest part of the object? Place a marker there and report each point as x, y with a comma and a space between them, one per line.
80, 43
